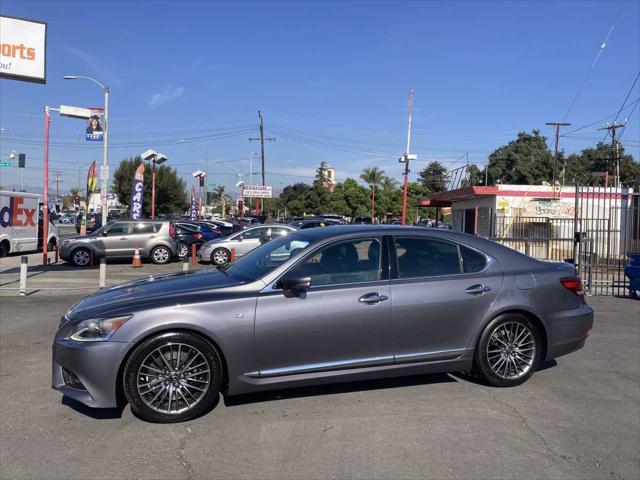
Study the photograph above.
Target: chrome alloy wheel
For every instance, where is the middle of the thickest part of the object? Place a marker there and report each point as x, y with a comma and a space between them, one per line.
220, 256
81, 257
183, 250
161, 255
173, 378
511, 350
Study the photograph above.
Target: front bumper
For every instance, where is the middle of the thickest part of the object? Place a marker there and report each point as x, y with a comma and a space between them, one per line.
96, 366
204, 255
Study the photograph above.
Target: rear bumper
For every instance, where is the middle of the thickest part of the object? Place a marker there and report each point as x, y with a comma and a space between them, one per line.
95, 364
567, 331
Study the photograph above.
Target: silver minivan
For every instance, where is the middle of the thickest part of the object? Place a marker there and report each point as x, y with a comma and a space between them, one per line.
153, 239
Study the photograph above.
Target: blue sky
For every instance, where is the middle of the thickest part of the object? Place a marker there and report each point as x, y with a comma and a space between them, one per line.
332, 79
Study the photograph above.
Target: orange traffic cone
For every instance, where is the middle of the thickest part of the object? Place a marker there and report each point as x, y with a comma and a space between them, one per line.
137, 263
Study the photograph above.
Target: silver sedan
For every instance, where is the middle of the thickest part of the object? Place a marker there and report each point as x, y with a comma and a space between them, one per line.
316, 306
222, 250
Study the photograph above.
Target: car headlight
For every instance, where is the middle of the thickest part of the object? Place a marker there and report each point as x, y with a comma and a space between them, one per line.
97, 330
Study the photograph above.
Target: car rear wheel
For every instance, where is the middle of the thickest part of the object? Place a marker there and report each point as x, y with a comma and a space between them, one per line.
509, 351
81, 257
4, 249
183, 250
172, 377
220, 256
160, 255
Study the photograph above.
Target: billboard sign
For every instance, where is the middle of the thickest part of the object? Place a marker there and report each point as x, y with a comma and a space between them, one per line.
94, 131
23, 46
258, 191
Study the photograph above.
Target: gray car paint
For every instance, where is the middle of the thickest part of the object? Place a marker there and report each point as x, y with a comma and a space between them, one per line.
281, 345
114, 246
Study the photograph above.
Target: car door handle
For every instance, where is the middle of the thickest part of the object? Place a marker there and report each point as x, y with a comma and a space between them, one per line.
372, 298
123, 238
477, 289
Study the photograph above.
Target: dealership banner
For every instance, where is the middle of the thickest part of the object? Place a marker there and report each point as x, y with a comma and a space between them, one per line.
23, 45
193, 213
95, 131
92, 184
137, 190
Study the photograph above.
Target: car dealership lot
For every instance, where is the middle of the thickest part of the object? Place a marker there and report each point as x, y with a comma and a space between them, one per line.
579, 418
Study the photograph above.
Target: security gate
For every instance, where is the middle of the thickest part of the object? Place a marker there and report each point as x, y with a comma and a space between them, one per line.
607, 229
604, 230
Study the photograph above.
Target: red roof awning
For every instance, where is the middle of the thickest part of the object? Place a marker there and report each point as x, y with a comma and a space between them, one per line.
465, 193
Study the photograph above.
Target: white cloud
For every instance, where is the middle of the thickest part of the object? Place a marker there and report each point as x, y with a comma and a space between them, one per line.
169, 93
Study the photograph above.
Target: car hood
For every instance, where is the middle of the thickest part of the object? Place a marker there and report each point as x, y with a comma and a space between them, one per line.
150, 291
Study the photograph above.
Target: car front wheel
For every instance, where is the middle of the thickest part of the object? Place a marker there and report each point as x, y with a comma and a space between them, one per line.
172, 377
81, 257
509, 351
160, 255
220, 256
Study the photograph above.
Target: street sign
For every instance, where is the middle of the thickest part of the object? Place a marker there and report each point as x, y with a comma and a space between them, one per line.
257, 191
104, 172
5, 164
75, 112
212, 185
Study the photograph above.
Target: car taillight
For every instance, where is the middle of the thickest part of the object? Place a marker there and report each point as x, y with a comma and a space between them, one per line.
574, 284
172, 231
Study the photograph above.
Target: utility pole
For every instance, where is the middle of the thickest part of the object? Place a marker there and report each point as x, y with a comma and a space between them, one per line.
555, 151
262, 139
615, 160
56, 178
405, 159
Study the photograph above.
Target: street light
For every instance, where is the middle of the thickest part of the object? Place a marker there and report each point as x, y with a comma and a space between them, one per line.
105, 161
206, 166
156, 159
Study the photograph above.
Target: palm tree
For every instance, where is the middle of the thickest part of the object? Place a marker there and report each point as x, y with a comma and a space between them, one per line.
389, 183
374, 177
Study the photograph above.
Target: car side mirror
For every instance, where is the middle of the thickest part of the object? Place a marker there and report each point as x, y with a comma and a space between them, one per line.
294, 284
104, 234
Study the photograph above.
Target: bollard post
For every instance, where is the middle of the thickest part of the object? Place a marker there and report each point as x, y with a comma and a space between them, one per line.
24, 260
185, 263
56, 255
193, 255
91, 259
103, 272
232, 255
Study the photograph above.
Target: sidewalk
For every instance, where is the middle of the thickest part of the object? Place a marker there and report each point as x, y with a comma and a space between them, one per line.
62, 277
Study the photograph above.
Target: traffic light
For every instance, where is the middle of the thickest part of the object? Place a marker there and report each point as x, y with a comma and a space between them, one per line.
201, 181
22, 159
241, 206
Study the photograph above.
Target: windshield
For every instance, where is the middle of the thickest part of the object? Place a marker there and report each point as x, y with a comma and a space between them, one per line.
267, 257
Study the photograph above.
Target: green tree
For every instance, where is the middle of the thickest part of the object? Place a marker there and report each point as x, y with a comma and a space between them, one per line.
523, 161
171, 196
434, 177
474, 176
374, 177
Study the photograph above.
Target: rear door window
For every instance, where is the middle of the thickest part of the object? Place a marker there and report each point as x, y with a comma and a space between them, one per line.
143, 227
472, 261
426, 257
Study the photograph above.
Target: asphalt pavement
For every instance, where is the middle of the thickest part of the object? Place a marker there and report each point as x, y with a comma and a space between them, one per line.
577, 418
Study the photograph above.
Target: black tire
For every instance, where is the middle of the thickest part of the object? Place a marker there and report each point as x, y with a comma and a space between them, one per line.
161, 255
183, 250
220, 256
4, 249
136, 377
51, 246
505, 356
81, 257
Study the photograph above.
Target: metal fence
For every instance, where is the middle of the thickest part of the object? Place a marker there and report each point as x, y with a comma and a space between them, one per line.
604, 230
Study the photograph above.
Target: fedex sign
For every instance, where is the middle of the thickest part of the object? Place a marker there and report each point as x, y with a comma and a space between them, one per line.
15, 214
